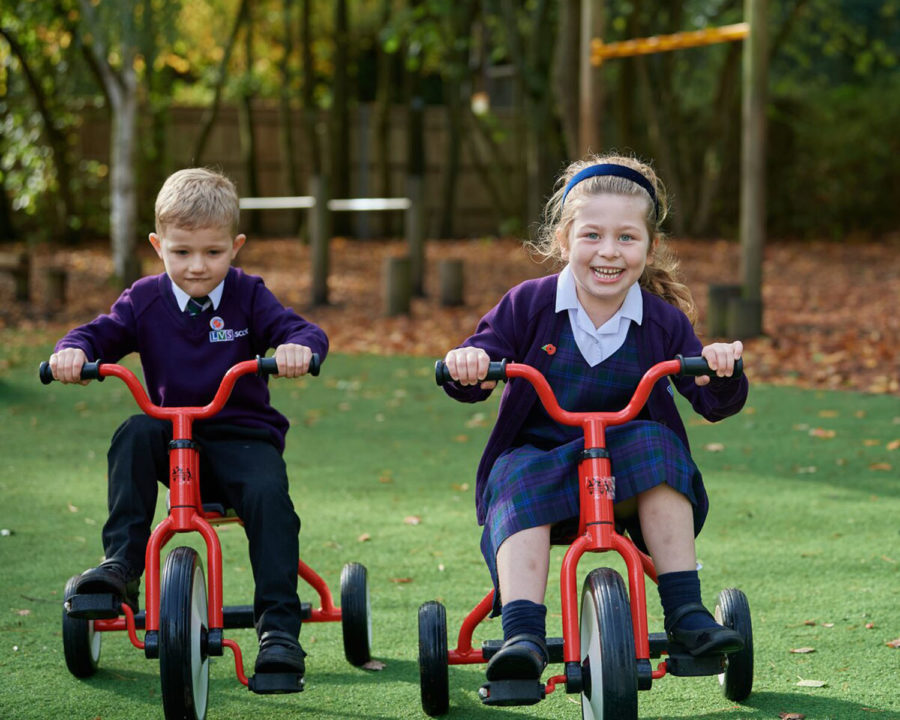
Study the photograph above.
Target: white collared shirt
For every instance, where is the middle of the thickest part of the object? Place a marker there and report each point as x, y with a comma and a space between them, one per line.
181, 297
597, 343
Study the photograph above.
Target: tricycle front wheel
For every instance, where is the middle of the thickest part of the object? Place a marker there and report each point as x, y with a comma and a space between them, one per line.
183, 631
608, 663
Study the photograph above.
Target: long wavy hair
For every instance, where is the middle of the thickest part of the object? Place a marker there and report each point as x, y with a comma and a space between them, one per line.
660, 276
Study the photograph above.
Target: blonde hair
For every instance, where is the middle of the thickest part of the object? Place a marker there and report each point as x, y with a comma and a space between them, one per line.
197, 198
660, 275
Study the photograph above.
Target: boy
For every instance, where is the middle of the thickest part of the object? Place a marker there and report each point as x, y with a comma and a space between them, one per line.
189, 325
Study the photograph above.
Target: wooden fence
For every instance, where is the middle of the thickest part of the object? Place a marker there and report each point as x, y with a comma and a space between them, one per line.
474, 213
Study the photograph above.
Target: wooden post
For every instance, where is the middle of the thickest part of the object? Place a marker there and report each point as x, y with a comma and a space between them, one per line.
397, 285
415, 232
55, 290
21, 275
717, 309
320, 237
747, 312
450, 274
590, 136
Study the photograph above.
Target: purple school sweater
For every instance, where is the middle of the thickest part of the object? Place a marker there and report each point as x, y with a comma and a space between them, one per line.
185, 358
525, 320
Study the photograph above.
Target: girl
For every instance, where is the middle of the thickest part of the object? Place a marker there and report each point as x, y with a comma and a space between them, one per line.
593, 329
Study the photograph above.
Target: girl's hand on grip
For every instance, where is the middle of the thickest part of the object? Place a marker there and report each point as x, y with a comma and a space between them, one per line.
469, 366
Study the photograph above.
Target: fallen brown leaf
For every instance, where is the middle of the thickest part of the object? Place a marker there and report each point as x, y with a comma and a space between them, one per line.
893, 643
824, 327
374, 665
803, 650
822, 433
791, 716
412, 520
812, 683
401, 580
365, 537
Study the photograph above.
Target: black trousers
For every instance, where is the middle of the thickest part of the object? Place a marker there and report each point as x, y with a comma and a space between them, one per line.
239, 467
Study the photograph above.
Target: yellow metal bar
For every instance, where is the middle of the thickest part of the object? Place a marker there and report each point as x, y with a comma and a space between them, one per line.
663, 43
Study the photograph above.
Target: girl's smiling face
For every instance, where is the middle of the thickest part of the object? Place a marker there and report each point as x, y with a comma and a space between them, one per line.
607, 247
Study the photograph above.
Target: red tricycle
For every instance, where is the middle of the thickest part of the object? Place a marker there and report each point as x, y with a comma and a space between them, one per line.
184, 618
606, 650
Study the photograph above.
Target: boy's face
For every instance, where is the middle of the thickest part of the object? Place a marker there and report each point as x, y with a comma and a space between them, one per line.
196, 260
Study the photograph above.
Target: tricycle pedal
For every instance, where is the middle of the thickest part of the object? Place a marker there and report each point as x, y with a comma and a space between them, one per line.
93, 606
275, 683
659, 643
681, 663
512, 692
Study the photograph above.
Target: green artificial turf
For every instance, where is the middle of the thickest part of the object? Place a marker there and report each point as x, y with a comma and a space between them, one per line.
805, 501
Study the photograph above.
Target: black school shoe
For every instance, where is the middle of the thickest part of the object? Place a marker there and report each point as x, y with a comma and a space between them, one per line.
517, 659
279, 652
113, 578
705, 641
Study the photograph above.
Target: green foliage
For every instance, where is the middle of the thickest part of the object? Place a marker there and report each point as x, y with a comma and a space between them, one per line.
833, 108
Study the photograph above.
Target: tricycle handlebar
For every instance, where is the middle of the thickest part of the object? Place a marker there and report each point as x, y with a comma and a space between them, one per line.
691, 366
91, 370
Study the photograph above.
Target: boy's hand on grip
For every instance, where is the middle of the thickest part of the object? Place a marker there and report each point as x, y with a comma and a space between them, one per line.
66, 365
293, 360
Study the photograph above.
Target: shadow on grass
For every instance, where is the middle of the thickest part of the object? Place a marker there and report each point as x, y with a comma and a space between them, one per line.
771, 704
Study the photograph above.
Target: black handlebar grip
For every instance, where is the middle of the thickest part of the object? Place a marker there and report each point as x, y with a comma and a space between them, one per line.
268, 365
496, 371
695, 366
89, 371
45, 373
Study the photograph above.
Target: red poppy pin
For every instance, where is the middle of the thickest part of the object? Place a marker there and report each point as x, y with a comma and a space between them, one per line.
549, 348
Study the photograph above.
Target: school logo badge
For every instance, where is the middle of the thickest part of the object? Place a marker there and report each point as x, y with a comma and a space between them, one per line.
219, 333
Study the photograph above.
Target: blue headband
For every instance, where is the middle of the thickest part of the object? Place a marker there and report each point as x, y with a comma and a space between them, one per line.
613, 170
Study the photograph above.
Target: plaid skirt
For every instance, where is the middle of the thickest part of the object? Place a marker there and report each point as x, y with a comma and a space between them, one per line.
535, 483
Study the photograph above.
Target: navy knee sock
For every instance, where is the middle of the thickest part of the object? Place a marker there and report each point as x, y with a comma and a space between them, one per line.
523, 617
680, 588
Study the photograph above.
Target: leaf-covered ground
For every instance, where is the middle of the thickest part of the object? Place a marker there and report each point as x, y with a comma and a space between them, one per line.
831, 316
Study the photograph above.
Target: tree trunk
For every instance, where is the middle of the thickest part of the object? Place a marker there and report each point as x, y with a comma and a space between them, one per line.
285, 115
209, 117
383, 97
123, 195
339, 115
565, 72
246, 131
314, 129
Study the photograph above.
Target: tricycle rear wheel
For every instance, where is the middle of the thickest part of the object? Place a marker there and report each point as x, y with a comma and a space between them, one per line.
434, 682
81, 643
733, 611
356, 619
